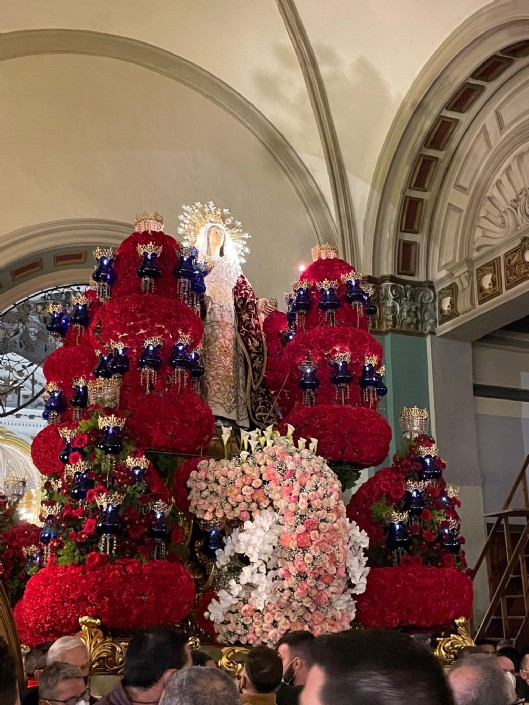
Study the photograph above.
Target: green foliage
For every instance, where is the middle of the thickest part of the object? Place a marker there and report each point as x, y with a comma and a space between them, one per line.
347, 473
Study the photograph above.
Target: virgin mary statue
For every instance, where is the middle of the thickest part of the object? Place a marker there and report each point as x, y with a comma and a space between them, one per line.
234, 349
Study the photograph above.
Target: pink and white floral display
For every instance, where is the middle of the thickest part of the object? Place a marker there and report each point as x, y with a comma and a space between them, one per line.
294, 560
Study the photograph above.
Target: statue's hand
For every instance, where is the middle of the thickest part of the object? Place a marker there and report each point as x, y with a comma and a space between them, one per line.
266, 307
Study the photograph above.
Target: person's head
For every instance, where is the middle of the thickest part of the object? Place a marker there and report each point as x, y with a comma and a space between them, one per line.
153, 655
262, 671
486, 646
35, 660
62, 684
72, 650
294, 651
375, 667
200, 686
513, 655
479, 680
524, 668
216, 238
505, 663
201, 658
8, 676
467, 651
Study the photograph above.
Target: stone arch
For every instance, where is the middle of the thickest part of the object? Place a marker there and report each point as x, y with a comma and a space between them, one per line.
450, 95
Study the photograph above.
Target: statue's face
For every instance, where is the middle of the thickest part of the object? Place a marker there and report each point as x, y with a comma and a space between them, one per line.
215, 236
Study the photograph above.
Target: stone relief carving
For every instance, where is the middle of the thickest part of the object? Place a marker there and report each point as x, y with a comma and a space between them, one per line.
505, 209
404, 307
447, 303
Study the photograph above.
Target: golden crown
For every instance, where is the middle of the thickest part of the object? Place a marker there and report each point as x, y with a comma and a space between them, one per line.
29, 551
325, 251
111, 421
183, 338
107, 252
148, 222
195, 217
414, 420
104, 500
340, 357
80, 300
327, 284
55, 308
67, 433
371, 360
155, 340
423, 451
160, 507
150, 248
398, 518
352, 277
420, 485
113, 345
452, 491
140, 462
50, 511
300, 284
79, 381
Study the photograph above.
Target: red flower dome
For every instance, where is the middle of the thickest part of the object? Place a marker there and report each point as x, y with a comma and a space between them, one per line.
127, 260
349, 433
46, 447
66, 363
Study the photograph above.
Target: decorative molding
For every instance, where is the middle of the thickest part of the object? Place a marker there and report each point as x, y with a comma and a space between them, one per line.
516, 264
447, 303
322, 112
403, 306
488, 281
60, 41
505, 209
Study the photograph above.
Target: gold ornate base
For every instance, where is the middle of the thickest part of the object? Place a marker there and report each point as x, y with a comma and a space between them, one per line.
448, 647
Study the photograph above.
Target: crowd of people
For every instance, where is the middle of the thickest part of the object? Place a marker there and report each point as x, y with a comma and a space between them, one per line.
357, 667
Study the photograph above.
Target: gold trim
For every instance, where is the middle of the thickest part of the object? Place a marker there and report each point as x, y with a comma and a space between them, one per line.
232, 659
106, 656
447, 647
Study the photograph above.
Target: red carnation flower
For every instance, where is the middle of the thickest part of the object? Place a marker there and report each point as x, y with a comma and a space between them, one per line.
428, 536
74, 458
79, 441
426, 515
90, 526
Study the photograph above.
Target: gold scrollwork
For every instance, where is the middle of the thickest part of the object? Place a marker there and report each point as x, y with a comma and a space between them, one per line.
232, 660
447, 647
106, 655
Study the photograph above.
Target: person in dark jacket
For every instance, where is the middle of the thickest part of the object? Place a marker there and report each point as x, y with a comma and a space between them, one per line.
153, 656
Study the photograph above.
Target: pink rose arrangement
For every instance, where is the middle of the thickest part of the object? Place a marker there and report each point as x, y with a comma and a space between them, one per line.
303, 559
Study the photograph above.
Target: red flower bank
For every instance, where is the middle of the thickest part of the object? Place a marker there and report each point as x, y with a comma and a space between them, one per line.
414, 596
125, 594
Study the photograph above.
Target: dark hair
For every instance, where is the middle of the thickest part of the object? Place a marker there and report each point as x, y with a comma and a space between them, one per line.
378, 667
299, 643
263, 669
152, 652
8, 675
35, 659
200, 658
483, 682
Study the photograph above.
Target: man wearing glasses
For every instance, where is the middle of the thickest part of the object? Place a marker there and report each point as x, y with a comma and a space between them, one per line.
62, 684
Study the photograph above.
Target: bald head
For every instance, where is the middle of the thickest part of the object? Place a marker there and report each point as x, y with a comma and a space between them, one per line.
478, 680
